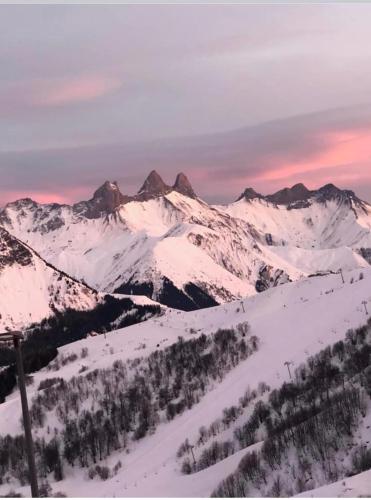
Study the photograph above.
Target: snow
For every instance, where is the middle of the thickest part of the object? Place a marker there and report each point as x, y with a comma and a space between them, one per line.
219, 248
292, 322
30, 293
351, 487
320, 225
222, 249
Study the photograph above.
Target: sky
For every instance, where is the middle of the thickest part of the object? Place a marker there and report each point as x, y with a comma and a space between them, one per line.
232, 95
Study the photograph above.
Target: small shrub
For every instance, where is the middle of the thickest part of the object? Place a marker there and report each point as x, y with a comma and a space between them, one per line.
45, 490
49, 382
12, 494
84, 352
103, 472
186, 467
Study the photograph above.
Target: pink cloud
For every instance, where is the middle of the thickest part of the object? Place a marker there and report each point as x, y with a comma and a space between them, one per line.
346, 157
70, 195
83, 88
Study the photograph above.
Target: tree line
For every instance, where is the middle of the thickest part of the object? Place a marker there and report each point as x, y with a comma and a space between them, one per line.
44, 338
104, 410
306, 421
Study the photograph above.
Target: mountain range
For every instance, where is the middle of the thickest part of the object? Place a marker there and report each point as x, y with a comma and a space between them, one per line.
168, 244
259, 387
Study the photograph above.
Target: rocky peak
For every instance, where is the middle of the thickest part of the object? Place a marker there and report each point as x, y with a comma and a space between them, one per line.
108, 197
27, 203
154, 185
183, 186
249, 194
285, 196
105, 200
329, 192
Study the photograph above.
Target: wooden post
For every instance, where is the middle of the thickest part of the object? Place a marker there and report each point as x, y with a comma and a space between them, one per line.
26, 419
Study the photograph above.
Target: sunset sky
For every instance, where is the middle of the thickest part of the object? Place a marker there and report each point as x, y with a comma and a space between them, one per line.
234, 96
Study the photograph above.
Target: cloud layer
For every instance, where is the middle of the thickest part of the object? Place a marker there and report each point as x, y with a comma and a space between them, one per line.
257, 95
315, 149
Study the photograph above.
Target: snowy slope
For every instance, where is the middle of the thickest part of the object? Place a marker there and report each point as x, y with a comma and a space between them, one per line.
170, 237
292, 322
173, 247
318, 224
358, 486
31, 289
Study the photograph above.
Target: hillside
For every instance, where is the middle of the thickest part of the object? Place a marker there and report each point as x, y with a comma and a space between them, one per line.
287, 324
31, 289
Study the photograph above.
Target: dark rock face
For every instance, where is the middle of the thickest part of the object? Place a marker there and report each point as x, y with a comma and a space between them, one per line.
108, 197
366, 254
290, 195
250, 194
183, 186
299, 196
269, 278
330, 192
105, 200
12, 251
152, 187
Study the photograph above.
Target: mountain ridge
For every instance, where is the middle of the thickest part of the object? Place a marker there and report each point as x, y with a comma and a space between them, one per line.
298, 195
27, 278
168, 244
108, 195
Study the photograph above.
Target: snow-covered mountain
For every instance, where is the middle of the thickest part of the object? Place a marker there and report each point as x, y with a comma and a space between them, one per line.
288, 325
168, 244
31, 289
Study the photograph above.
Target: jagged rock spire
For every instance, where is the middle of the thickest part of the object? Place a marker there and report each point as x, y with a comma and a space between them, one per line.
108, 197
183, 186
154, 185
105, 200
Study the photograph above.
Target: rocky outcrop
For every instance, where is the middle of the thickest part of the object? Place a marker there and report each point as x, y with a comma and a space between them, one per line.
287, 196
12, 251
269, 277
299, 196
183, 186
249, 194
152, 187
105, 201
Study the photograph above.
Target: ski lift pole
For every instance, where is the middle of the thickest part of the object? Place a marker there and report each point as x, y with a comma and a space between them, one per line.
341, 274
288, 363
16, 338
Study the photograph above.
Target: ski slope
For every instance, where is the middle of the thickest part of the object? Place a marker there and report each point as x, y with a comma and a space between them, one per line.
292, 322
